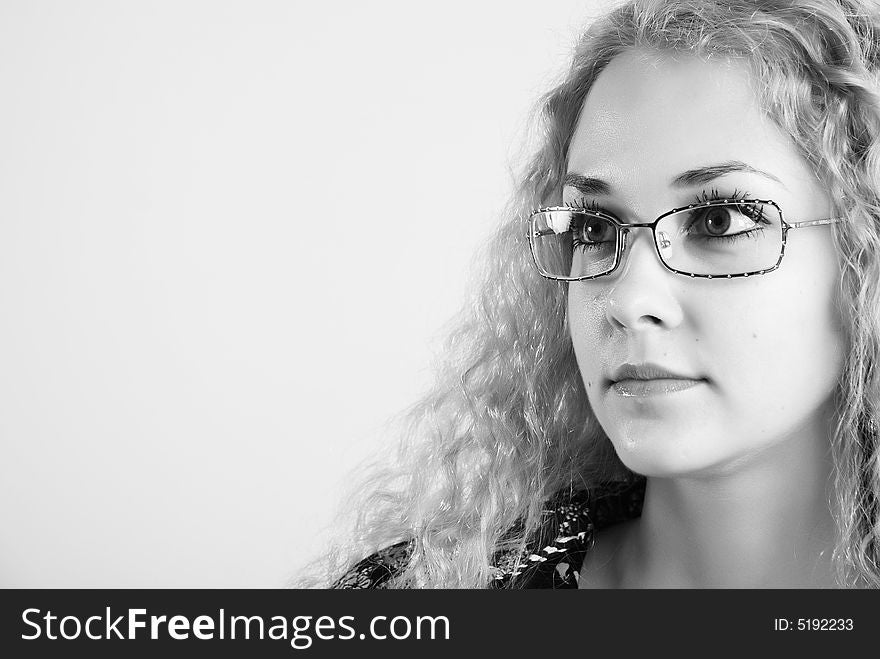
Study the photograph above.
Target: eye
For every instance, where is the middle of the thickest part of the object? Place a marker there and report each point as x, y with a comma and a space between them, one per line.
714, 221
591, 229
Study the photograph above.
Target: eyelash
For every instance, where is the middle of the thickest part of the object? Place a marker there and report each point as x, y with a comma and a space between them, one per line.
701, 197
715, 196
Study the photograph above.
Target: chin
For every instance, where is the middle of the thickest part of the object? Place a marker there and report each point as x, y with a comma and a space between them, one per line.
661, 457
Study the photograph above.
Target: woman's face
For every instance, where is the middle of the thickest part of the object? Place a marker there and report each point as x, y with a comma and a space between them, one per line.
765, 351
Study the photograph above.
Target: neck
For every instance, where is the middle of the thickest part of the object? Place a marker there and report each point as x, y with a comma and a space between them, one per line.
762, 523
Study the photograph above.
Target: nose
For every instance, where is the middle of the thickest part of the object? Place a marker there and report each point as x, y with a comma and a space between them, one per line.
641, 291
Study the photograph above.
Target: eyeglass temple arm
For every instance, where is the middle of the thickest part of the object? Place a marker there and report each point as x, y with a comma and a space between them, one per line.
815, 223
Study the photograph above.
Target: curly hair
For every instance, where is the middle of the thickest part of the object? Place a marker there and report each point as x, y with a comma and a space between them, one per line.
508, 422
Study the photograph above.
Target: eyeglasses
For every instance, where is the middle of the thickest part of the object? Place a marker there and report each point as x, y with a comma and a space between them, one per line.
721, 238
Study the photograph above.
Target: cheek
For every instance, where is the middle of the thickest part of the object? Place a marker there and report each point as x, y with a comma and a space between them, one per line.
777, 350
589, 330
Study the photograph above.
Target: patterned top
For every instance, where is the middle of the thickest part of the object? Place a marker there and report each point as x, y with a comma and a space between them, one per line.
572, 520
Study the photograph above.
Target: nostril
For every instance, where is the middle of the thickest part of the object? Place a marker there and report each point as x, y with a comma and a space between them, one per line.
642, 297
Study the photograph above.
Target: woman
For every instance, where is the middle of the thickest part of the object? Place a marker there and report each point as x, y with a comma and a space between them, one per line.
677, 387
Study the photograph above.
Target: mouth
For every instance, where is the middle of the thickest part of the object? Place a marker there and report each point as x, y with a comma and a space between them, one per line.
640, 380
631, 387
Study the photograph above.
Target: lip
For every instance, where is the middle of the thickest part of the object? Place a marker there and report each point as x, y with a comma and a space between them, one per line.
656, 387
648, 379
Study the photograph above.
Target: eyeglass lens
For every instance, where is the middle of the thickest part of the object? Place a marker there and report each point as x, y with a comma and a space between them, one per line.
714, 239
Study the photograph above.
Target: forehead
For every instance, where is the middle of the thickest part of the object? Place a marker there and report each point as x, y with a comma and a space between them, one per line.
650, 116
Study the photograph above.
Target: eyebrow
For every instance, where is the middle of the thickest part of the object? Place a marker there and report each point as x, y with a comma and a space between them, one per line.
586, 185
711, 172
590, 185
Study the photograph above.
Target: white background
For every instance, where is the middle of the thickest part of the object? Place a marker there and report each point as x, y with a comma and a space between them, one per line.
230, 234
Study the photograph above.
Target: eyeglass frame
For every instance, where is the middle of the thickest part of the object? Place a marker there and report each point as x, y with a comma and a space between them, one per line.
622, 229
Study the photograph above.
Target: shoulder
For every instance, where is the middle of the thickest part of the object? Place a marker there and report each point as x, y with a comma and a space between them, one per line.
551, 558
376, 570
572, 522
